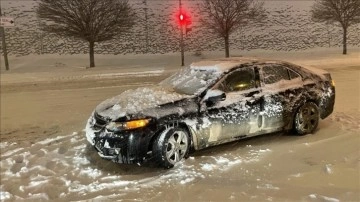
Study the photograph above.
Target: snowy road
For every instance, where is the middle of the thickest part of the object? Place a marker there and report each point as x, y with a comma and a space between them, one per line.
320, 167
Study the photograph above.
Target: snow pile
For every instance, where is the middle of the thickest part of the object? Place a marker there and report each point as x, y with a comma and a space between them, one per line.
328, 168
134, 101
183, 84
322, 198
221, 163
267, 186
125, 74
4, 195
227, 161
191, 81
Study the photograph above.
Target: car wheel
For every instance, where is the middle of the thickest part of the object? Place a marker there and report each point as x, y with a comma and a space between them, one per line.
171, 146
306, 118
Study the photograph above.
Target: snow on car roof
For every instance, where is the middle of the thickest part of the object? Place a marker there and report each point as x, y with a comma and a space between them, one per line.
225, 64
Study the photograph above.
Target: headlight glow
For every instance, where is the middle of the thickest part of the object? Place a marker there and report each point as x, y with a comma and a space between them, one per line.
129, 125
136, 124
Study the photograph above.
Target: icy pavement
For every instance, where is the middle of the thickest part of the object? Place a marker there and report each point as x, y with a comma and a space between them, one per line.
65, 167
318, 167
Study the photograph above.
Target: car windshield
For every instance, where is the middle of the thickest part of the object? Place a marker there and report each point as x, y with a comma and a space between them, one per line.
191, 81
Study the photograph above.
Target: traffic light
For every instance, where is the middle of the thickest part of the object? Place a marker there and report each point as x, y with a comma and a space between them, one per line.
181, 17
184, 19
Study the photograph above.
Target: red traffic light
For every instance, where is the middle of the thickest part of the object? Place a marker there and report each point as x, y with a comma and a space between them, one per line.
184, 19
181, 17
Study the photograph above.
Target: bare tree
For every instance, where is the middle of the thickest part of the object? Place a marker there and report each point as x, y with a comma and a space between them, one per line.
226, 16
89, 20
345, 12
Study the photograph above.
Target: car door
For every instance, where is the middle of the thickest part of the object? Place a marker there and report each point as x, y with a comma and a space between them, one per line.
237, 115
281, 87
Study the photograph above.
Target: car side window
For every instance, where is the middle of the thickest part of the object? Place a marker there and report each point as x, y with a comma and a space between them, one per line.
238, 80
275, 73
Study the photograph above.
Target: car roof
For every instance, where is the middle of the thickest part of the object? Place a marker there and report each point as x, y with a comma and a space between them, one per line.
223, 65
226, 64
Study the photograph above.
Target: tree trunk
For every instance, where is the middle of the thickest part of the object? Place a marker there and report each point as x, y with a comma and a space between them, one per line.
227, 46
91, 53
344, 40
4, 48
2, 32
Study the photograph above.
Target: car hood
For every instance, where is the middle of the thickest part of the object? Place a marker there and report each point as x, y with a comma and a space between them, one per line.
135, 101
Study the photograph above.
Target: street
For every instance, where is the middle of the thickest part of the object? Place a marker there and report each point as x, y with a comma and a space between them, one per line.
44, 153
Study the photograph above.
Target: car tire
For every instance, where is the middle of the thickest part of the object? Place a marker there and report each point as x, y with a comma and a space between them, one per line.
306, 119
171, 146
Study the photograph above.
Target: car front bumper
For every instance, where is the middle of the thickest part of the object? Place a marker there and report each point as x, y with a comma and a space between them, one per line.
128, 147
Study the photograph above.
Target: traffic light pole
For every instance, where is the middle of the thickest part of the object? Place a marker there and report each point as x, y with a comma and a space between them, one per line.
182, 39
182, 46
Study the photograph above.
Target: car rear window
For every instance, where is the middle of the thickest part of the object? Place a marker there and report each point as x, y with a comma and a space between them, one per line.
275, 73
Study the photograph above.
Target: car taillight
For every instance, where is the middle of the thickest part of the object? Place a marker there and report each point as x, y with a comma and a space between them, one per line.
333, 83
328, 78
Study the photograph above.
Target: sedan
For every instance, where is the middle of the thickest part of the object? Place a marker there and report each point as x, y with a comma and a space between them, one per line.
210, 102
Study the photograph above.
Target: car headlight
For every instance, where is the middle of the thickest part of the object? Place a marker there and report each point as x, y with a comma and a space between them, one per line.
128, 125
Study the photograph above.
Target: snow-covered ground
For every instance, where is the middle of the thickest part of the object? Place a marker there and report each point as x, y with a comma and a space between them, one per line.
44, 154
63, 167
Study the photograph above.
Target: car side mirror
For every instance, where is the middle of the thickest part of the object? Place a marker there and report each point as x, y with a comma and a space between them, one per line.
214, 96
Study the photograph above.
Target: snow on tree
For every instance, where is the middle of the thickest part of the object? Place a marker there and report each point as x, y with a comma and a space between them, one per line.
88, 20
345, 12
226, 16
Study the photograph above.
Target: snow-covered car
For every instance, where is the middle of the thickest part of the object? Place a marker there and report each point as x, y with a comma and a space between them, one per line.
209, 103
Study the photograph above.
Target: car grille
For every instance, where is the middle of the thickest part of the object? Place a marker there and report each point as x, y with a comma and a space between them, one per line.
117, 151
100, 121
